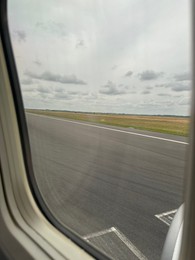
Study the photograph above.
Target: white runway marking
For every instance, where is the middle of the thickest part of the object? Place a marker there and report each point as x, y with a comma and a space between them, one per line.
97, 234
167, 217
122, 237
113, 129
130, 245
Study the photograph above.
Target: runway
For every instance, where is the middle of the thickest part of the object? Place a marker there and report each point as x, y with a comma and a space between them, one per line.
98, 178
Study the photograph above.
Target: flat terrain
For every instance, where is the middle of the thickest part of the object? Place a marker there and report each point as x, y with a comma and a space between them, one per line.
161, 124
108, 183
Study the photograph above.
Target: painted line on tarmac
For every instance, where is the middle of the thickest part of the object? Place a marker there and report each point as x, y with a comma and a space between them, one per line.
113, 129
97, 234
122, 237
129, 244
166, 217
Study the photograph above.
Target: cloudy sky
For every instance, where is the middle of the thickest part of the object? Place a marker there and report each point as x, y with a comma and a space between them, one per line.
123, 56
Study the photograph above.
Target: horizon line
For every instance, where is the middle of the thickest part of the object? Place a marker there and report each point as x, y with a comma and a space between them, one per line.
115, 113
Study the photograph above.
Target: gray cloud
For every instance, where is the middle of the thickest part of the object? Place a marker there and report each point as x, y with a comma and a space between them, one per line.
59, 89
52, 27
129, 73
20, 35
160, 85
148, 87
77, 93
114, 67
181, 87
73, 92
84, 93
44, 95
111, 89
145, 92
63, 96
48, 76
163, 95
183, 77
37, 62
175, 86
149, 75
91, 97
27, 81
80, 43
28, 89
42, 89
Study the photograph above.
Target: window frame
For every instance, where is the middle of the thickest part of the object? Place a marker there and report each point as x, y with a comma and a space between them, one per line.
187, 250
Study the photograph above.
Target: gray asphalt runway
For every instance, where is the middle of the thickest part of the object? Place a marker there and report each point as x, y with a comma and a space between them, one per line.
95, 177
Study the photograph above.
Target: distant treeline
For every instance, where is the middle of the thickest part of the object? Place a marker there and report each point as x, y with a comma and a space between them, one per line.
104, 113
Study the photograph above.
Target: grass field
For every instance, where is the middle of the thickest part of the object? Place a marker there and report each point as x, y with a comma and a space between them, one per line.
162, 124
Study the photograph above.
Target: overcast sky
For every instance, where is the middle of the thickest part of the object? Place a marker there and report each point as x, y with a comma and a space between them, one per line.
124, 56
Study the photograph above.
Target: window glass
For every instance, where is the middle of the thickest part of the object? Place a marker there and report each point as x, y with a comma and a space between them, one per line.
106, 87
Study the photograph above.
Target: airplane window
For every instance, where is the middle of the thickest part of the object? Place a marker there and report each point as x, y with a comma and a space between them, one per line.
106, 87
